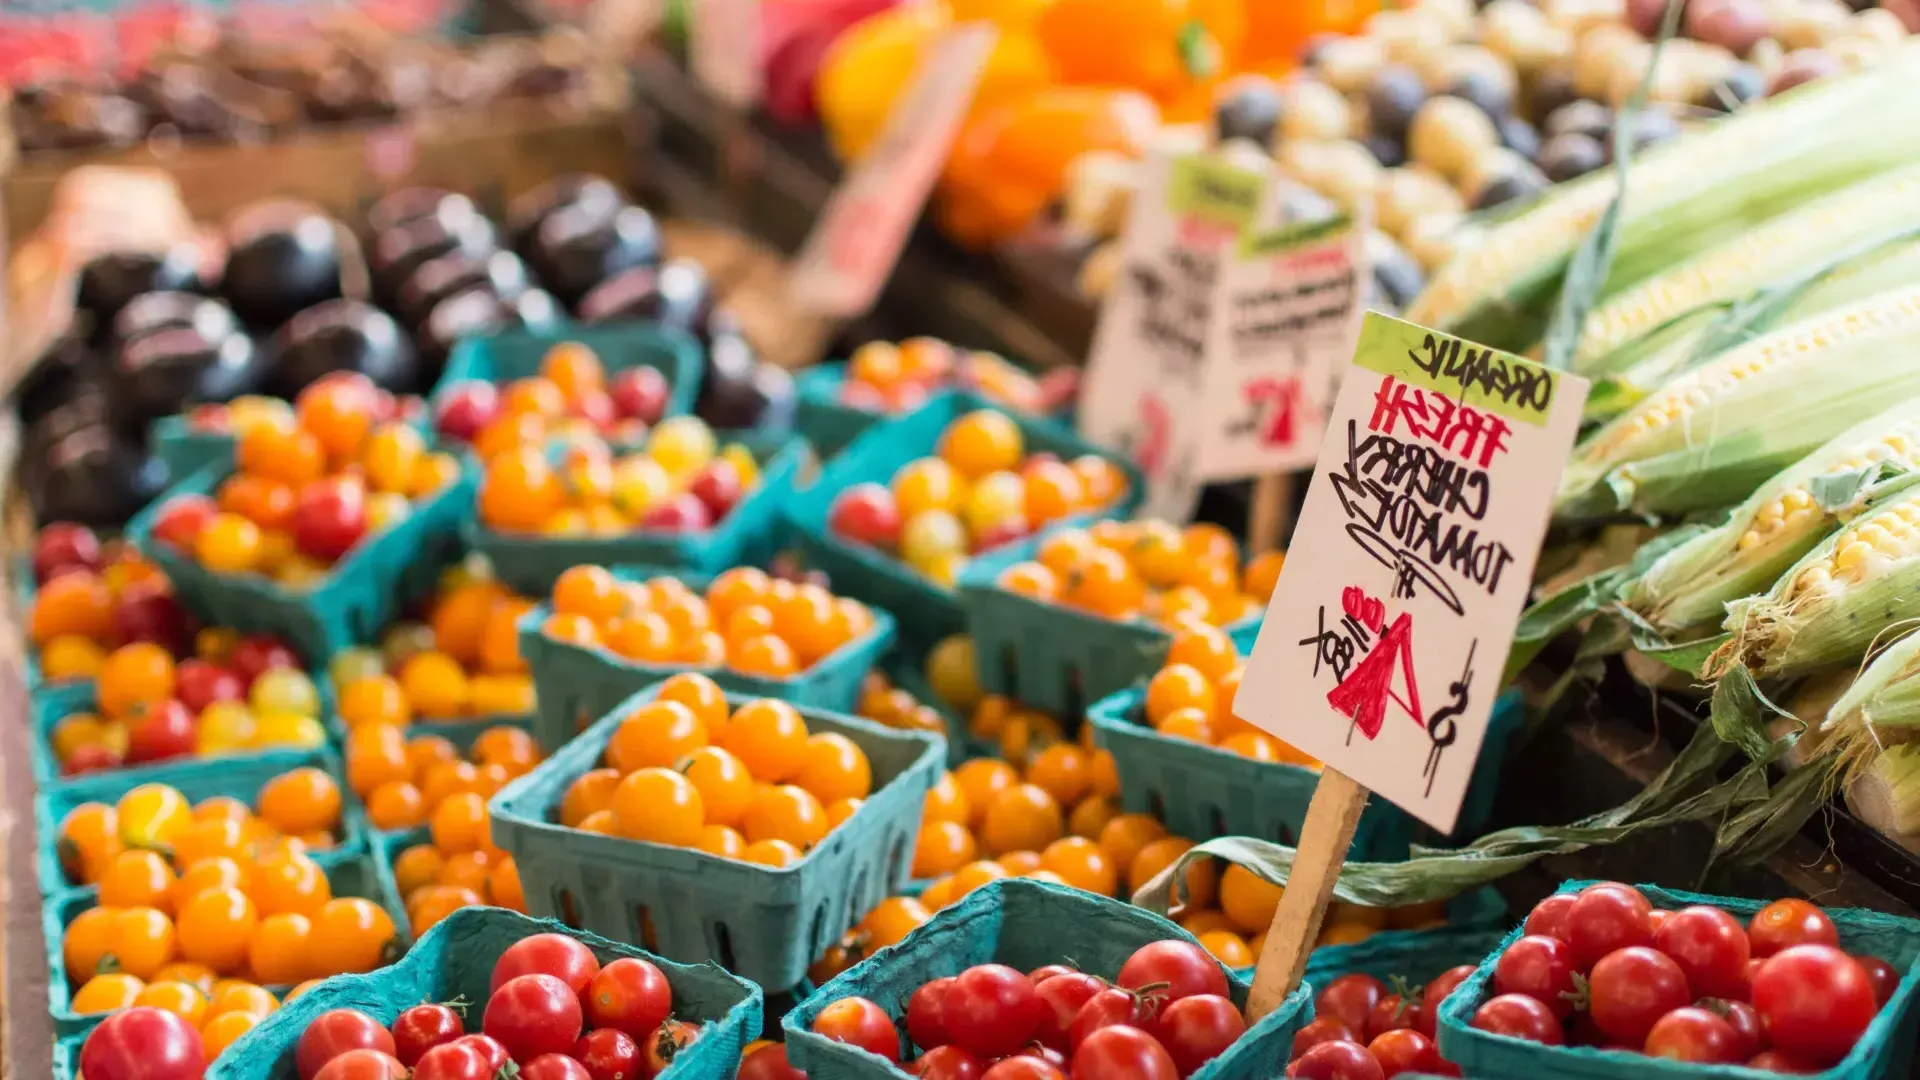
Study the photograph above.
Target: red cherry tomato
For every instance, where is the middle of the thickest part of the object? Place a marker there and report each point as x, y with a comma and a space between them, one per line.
335, 1032
1121, 1053
143, 1043
859, 1022
199, 683
1814, 1002
63, 546
1405, 1051
1063, 996
1539, 967
258, 654
1605, 918
363, 1064
1350, 999
1336, 1061
767, 1063
613, 1055
1047, 971
490, 1049
1786, 923
947, 1063
866, 514
1885, 979
1022, 1067
165, 732
1320, 1029
1197, 1029
1632, 988
456, 1060
926, 1025
532, 1015
181, 520
557, 955
1776, 1061
1711, 948
422, 1028
554, 1067
92, 757
1437, 992
1744, 1019
330, 517
1185, 967
629, 995
1519, 1017
1110, 1007
1392, 1013
1695, 1035
991, 1010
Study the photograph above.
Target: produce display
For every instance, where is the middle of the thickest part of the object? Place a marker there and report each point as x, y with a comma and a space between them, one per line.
460, 662
895, 377
1192, 698
1148, 570
572, 385
1362, 1028
405, 781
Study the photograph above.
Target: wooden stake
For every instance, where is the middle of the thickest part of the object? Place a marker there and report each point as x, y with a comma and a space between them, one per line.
1270, 511
1332, 817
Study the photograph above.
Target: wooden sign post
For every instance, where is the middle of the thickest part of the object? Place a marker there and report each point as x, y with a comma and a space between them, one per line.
1383, 645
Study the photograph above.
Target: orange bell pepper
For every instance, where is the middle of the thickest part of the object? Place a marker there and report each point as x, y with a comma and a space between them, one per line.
1278, 30
1159, 47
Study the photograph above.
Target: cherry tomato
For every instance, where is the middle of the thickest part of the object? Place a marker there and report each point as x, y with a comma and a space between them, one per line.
1605, 918
1814, 1002
1780, 1062
1885, 978
1186, 968
1518, 1016
1350, 999
457, 1060
1110, 1007
335, 1032
1695, 1035
1711, 948
1047, 971
767, 1063
1786, 923
926, 1024
859, 1022
554, 1067
559, 956
991, 1010
1436, 994
199, 683
946, 1063
1337, 1061
330, 517
422, 1028
1392, 1013
1121, 1053
665, 1044
165, 731
629, 995
181, 520
363, 1064
143, 1043
1197, 1029
1045, 1053
1023, 1067
1320, 1029
1405, 1050
1744, 1019
1549, 917
532, 1015
610, 1055
258, 654
1064, 996
1632, 988
490, 1048
1539, 967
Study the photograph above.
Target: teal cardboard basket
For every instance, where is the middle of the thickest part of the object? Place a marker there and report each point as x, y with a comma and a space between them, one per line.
186, 451
929, 611
455, 960
576, 684
363, 593
66, 1054
1023, 924
350, 874
764, 924
750, 533
516, 354
1885, 1051
241, 778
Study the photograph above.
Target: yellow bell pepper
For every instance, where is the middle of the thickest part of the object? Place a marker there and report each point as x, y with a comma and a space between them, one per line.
867, 68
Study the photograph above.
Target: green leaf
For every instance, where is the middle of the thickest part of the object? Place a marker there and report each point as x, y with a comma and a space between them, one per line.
1738, 714
1199, 52
1758, 831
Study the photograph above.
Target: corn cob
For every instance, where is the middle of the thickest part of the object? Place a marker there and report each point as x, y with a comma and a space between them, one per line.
1883, 206
1691, 585
1683, 198
1850, 593
1712, 435
1886, 795
1883, 697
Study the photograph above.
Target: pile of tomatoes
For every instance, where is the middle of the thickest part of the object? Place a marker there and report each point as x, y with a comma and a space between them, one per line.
746, 621
1191, 697
1150, 570
1363, 1030
980, 490
309, 487
679, 480
91, 597
1164, 1015
235, 694
572, 394
405, 780
552, 1012
885, 377
749, 783
1603, 967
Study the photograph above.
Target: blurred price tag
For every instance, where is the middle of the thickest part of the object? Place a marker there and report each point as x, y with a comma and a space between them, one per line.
725, 49
861, 232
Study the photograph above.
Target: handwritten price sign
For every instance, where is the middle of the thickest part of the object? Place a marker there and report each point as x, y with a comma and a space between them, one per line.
1383, 645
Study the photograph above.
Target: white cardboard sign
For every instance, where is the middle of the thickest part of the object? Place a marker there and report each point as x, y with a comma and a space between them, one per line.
865, 224
1383, 645
724, 49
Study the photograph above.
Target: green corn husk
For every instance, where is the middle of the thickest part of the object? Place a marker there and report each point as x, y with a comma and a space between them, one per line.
1709, 438
1684, 198
1870, 212
1690, 586
1884, 696
1855, 591
1701, 335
